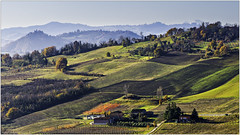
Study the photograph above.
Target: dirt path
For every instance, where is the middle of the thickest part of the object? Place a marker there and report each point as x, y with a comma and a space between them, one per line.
158, 125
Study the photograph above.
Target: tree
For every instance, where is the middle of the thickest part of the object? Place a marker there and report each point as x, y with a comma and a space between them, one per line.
16, 56
50, 51
194, 115
213, 45
223, 50
37, 58
6, 60
152, 38
125, 88
12, 113
172, 111
108, 54
27, 57
220, 45
158, 52
159, 92
61, 64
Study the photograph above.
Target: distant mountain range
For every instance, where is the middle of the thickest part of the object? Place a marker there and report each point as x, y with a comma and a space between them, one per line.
38, 40
56, 28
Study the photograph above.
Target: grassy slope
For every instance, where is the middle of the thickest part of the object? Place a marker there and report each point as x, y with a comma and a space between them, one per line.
229, 89
136, 71
217, 125
183, 82
174, 79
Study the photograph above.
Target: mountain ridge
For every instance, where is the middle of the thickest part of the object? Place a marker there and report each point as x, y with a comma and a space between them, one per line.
56, 28
38, 40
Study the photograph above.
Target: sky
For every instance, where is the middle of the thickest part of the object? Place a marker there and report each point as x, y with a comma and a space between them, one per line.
27, 13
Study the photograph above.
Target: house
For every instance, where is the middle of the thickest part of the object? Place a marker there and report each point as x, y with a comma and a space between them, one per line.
185, 118
91, 117
103, 121
116, 115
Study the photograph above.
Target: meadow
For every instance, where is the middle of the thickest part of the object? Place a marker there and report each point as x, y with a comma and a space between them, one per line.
209, 85
215, 125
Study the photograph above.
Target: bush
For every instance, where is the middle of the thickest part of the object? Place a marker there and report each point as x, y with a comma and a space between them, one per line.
61, 64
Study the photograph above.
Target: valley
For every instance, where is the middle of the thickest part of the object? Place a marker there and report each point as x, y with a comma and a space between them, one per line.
56, 97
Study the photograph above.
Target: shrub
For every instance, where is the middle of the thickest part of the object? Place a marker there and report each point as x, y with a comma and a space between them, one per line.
61, 64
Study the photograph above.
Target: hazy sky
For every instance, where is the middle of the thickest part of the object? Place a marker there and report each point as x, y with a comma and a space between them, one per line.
15, 14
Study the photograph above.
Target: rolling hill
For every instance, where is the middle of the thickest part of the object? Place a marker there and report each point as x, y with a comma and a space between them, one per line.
182, 75
56, 28
38, 40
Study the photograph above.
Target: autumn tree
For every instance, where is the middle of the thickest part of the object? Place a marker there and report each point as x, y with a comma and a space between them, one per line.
50, 51
6, 60
61, 64
213, 44
12, 113
223, 50
171, 32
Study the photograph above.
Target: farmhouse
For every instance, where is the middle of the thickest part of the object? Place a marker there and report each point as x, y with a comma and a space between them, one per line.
185, 118
91, 117
103, 121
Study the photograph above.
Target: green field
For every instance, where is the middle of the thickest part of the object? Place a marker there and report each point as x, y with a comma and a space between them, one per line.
229, 89
216, 125
209, 85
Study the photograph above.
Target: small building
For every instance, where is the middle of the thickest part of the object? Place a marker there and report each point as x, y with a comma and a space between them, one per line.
103, 121
185, 118
91, 117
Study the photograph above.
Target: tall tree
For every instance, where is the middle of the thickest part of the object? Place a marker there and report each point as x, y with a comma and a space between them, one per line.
194, 115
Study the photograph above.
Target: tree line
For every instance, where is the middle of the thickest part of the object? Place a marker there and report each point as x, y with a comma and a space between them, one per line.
183, 40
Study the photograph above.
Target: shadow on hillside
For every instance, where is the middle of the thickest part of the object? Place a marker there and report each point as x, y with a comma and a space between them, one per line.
176, 58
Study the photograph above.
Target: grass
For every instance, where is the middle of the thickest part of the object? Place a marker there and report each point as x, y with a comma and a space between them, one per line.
136, 71
38, 126
103, 129
223, 125
106, 68
216, 79
143, 77
229, 89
